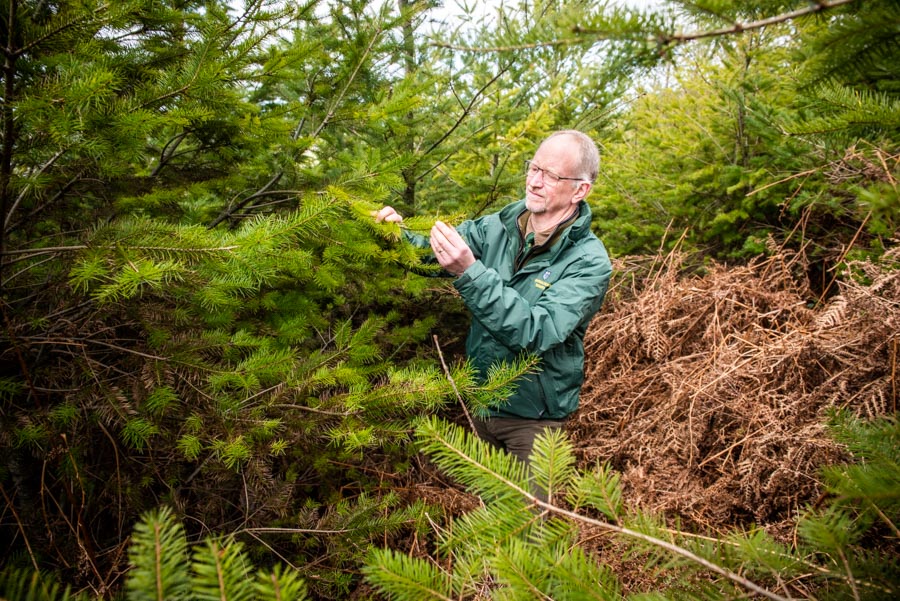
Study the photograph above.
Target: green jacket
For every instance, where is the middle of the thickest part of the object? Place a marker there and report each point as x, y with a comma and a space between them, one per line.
543, 308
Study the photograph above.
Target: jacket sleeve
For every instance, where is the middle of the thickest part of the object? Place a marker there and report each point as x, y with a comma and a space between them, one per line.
424, 242
417, 240
536, 327
471, 232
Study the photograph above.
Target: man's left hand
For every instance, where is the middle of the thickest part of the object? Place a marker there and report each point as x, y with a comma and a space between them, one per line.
451, 250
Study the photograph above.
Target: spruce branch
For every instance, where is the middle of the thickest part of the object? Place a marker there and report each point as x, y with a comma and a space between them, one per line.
408, 579
445, 442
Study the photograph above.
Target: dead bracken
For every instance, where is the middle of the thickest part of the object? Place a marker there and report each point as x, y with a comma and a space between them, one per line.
710, 392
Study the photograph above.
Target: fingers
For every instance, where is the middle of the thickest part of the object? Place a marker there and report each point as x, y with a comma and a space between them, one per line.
442, 246
448, 246
450, 249
438, 251
447, 237
387, 214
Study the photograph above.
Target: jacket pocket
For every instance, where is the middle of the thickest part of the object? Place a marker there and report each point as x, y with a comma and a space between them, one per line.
549, 396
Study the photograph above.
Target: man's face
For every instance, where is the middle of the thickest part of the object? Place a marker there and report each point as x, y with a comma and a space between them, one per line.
545, 197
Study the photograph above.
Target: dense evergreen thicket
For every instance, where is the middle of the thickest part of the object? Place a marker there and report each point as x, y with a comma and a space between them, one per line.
199, 313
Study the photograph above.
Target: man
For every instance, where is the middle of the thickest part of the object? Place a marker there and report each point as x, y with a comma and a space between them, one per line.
533, 275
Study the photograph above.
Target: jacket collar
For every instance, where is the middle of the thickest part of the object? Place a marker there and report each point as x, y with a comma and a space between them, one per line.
582, 227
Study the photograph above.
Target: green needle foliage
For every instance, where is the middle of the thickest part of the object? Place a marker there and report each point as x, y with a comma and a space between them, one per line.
164, 567
517, 546
160, 552
411, 579
28, 585
507, 546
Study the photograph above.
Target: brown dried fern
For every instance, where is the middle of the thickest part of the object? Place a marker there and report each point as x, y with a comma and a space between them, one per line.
716, 415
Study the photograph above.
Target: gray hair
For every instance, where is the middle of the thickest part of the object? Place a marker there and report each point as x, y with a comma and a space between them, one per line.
588, 155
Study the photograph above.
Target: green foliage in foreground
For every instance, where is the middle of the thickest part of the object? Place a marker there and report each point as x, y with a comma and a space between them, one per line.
165, 566
199, 311
26, 585
523, 542
518, 546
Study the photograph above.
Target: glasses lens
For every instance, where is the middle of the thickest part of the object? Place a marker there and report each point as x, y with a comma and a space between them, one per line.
532, 170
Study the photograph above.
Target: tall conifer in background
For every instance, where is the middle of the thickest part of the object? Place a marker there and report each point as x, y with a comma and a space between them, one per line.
787, 129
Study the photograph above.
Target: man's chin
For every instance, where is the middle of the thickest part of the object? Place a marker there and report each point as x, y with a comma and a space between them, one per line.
535, 205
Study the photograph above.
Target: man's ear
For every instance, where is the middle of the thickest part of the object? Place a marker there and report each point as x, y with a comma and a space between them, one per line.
581, 193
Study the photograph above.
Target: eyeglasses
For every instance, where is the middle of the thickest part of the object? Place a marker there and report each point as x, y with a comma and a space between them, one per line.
549, 178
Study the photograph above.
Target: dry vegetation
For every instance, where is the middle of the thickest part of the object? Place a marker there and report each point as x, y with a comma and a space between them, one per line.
709, 393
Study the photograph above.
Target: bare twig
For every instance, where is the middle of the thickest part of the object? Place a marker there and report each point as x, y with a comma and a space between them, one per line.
12, 510
843, 256
453, 383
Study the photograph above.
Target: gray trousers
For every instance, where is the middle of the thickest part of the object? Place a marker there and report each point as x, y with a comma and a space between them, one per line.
516, 436
513, 434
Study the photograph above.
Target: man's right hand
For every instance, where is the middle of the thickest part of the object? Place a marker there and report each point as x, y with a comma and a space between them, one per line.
388, 214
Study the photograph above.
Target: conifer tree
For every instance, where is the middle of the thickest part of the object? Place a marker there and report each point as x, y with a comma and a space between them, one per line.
770, 137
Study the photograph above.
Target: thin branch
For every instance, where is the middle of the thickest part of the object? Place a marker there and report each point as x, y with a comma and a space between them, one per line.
25, 269
781, 181
43, 251
49, 202
15, 515
738, 27
273, 551
319, 411
273, 530
530, 46
35, 252
168, 151
55, 32
466, 111
453, 383
844, 256
22, 194
81, 343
